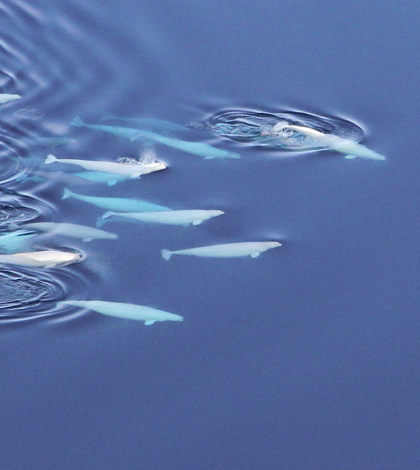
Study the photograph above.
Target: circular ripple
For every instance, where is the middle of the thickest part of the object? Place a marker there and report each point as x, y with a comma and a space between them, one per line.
17, 208
27, 294
255, 128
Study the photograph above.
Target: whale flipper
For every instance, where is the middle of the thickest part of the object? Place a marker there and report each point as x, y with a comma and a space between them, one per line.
197, 222
350, 157
255, 255
149, 322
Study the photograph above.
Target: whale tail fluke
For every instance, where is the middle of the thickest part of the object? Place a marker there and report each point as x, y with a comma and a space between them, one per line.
166, 254
77, 122
50, 159
67, 193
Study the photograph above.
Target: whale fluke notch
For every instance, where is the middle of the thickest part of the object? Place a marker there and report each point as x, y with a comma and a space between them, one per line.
66, 194
50, 159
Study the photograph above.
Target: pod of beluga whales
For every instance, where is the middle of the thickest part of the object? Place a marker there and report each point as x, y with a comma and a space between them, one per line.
291, 134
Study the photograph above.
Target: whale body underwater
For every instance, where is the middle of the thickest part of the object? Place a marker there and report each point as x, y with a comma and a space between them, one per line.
123, 310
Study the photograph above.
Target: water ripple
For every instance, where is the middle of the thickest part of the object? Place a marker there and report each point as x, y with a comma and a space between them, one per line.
255, 127
27, 294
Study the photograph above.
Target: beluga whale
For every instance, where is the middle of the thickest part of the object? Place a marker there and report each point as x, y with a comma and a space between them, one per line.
119, 204
226, 250
43, 259
133, 170
172, 217
123, 310
330, 141
84, 232
196, 148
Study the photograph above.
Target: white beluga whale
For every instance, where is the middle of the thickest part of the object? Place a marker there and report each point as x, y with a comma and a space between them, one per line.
172, 217
133, 170
118, 204
43, 259
84, 232
330, 141
226, 250
6, 97
123, 310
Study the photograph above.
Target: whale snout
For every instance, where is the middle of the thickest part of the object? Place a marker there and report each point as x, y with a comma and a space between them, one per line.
158, 166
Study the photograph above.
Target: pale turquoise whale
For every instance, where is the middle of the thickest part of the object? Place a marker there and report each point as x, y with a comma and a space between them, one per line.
196, 148
101, 177
226, 250
11, 242
84, 232
116, 203
126, 132
122, 310
152, 124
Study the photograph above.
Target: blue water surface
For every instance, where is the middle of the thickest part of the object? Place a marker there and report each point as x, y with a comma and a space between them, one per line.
303, 358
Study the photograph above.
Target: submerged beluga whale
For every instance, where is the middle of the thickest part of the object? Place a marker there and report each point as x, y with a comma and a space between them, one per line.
196, 148
84, 232
119, 204
122, 310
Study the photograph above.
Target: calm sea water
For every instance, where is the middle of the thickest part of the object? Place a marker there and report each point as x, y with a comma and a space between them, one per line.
304, 358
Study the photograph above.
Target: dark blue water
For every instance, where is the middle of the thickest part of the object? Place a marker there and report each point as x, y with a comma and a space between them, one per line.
304, 358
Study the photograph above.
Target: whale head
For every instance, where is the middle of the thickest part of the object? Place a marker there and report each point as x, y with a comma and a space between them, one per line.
272, 244
215, 213
156, 166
